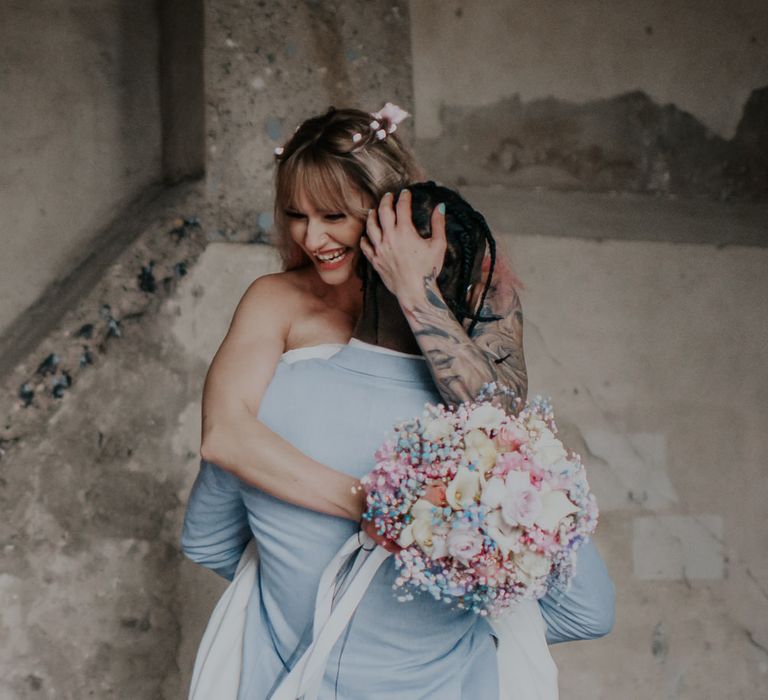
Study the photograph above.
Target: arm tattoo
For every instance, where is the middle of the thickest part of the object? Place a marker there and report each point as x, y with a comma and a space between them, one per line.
461, 365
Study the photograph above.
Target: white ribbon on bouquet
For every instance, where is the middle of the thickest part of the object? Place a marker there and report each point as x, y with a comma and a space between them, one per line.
526, 668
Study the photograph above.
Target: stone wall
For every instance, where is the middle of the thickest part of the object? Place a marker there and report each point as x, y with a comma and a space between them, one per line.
271, 65
79, 132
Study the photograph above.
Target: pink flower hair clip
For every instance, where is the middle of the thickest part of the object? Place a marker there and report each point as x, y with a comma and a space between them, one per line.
390, 114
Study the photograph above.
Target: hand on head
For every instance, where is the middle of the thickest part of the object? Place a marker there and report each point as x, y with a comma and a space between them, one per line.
398, 252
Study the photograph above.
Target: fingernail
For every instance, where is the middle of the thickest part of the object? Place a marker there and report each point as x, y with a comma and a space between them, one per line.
441, 208
404, 190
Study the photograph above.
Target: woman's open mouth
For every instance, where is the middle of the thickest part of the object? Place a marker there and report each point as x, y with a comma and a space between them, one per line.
331, 259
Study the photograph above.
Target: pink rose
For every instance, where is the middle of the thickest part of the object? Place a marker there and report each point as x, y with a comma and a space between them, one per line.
511, 461
512, 436
464, 543
521, 503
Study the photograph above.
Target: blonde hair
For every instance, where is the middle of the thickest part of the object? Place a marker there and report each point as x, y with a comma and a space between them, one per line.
333, 159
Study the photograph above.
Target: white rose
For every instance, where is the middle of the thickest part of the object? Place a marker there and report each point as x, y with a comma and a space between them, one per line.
422, 509
506, 537
437, 429
532, 565
485, 416
463, 489
480, 450
493, 492
420, 529
537, 424
555, 505
422, 533
406, 538
439, 546
549, 449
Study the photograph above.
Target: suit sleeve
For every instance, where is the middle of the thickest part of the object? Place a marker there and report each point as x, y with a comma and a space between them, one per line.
586, 609
216, 528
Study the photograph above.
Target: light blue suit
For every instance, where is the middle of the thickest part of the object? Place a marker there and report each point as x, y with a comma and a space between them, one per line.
338, 411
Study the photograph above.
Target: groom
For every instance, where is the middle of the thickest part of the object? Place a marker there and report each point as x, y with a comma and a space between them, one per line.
338, 411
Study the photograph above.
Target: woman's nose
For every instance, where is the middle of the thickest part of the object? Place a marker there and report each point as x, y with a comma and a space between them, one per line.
316, 235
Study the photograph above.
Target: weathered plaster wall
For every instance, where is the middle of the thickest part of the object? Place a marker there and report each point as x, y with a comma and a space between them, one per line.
79, 132
661, 98
703, 56
271, 65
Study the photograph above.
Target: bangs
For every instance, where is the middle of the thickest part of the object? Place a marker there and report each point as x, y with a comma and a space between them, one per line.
323, 181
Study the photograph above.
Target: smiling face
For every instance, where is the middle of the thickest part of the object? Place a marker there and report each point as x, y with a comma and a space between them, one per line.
328, 236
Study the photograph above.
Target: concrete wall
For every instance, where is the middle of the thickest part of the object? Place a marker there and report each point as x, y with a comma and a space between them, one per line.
657, 97
704, 56
653, 351
79, 132
271, 65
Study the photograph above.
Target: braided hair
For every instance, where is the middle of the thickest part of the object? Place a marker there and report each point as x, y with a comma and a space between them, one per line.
467, 235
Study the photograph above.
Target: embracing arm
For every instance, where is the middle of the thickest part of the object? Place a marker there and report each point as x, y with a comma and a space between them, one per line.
586, 609
232, 435
216, 527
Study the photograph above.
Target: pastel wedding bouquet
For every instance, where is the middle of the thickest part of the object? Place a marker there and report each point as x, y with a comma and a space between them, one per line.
489, 508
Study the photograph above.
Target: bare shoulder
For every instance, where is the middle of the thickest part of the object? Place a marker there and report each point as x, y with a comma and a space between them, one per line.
277, 298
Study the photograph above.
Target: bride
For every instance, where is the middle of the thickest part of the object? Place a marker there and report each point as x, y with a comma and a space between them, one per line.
334, 168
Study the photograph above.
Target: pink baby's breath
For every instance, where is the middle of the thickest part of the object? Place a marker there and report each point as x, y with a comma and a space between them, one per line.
484, 551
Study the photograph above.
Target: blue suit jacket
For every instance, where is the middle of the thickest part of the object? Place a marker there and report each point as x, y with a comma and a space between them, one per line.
339, 411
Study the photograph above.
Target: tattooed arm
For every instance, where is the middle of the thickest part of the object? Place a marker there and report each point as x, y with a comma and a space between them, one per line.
408, 265
461, 365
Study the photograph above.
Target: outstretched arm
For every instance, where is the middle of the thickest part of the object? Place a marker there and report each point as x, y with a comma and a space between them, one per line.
234, 438
409, 266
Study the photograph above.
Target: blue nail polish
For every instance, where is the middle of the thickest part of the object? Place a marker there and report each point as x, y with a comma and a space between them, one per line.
441, 208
